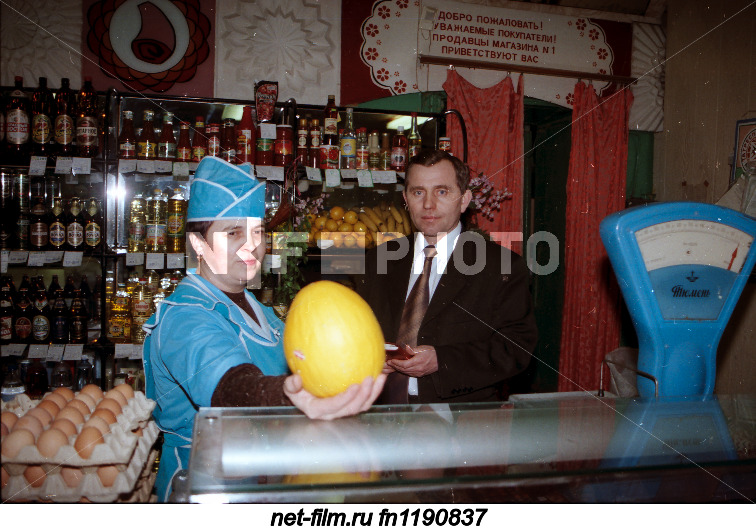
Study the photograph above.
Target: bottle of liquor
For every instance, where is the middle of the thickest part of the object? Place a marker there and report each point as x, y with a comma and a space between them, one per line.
228, 141
17, 124
39, 220
331, 118
329, 146
199, 141
87, 129
415, 142
84, 373
183, 146
303, 139
77, 320
61, 376
141, 310
93, 227
374, 151
147, 143
246, 137
23, 225
348, 142
22, 316
40, 319
41, 123
12, 385
137, 223
69, 290
167, 143
363, 153
6, 314
119, 323
59, 319
213, 139
385, 151
127, 137
54, 288
65, 112
87, 296
57, 230
75, 226
157, 221
176, 224
399, 151
36, 379
313, 159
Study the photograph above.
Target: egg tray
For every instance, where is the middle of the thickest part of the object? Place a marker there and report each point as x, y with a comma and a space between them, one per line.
90, 487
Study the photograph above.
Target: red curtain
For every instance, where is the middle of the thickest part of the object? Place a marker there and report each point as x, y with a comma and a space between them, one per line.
495, 141
595, 189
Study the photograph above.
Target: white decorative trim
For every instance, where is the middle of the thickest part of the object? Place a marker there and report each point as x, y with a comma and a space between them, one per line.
648, 57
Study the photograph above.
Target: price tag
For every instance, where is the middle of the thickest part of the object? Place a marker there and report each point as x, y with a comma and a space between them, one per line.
174, 260
72, 259
384, 176
134, 259
181, 168
332, 177
147, 166
55, 352
37, 165
125, 166
63, 165
73, 352
36, 258
122, 350
267, 131
268, 172
163, 166
364, 179
155, 261
348, 174
314, 174
14, 349
18, 257
37, 351
4, 258
193, 166
136, 352
52, 257
81, 165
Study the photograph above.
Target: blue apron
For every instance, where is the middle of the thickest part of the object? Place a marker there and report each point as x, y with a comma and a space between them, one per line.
195, 336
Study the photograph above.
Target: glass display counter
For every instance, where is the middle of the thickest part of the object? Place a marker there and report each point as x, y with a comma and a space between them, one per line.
574, 449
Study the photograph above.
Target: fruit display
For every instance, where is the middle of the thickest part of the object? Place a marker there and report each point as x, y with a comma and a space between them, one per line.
347, 347
361, 227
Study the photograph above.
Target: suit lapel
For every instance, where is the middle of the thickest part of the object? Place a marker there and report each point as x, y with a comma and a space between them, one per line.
397, 289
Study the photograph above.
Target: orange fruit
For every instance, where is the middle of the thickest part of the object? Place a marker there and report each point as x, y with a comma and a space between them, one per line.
361, 239
337, 212
350, 217
345, 227
349, 240
331, 225
320, 222
359, 227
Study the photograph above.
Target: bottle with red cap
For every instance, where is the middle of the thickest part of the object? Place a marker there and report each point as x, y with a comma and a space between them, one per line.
199, 141
184, 146
127, 137
86, 121
213, 139
246, 137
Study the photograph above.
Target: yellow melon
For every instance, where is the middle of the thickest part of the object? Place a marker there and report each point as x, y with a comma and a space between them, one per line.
332, 338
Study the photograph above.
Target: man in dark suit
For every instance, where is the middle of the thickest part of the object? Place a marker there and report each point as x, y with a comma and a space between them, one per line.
478, 329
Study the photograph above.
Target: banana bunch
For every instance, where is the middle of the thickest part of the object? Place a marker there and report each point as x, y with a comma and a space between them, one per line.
360, 226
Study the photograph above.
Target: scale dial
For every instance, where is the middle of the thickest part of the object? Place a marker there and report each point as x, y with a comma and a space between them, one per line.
697, 242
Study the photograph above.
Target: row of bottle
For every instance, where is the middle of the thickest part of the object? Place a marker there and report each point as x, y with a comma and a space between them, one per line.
132, 303
35, 315
44, 124
157, 223
35, 377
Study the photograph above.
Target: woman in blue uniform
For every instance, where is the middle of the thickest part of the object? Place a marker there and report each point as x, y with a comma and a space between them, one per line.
211, 343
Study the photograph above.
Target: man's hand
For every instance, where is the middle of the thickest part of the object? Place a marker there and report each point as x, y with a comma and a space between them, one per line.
354, 400
424, 362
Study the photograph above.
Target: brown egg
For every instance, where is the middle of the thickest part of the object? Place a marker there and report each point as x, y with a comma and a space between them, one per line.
107, 475
106, 415
86, 399
50, 406
40, 414
67, 393
125, 389
50, 441
9, 419
30, 423
88, 438
35, 476
3, 430
56, 398
71, 413
91, 390
4, 477
79, 406
99, 423
16, 441
111, 405
65, 425
71, 476
117, 396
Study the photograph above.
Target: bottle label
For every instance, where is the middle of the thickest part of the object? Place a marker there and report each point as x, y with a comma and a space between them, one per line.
38, 234
75, 234
17, 126
302, 138
40, 304
314, 138
78, 327
331, 126
64, 129
41, 328
283, 147
137, 231
213, 146
244, 143
41, 129
184, 154
60, 328
6, 328
141, 307
22, 230
23, 328
146, 150
2, 126
229, 155
362, 158
348, 147
57, 234
156, 235
398, 158
167, 150
264, 144
92, 234
86, 131
128, 150
115, 329
176, 225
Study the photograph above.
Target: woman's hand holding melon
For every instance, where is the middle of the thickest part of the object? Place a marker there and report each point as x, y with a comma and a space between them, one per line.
355, 399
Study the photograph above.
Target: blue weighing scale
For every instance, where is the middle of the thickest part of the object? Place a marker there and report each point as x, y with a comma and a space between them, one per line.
681, 267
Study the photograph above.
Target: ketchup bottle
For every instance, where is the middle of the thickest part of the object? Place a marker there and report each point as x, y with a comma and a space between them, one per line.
199, 142
127, 137
167, 143
246, 137
183, 147
213, 139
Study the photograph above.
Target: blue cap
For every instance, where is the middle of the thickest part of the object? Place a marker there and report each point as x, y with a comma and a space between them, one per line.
222, 190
